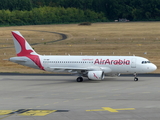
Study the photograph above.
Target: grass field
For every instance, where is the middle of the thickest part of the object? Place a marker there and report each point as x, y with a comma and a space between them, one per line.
132, 38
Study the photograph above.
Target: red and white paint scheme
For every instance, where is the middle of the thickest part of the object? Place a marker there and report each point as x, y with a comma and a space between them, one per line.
92, 67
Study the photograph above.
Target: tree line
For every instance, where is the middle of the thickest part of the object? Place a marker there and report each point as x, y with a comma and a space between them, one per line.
49, 15
134, 10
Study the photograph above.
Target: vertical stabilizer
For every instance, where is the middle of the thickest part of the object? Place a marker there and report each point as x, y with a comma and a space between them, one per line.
23, 49
21, 45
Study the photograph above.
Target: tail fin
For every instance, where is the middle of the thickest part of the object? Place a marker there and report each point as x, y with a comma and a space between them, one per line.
21, 45
24, 50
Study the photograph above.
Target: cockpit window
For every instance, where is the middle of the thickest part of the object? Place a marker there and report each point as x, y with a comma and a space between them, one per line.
145, 62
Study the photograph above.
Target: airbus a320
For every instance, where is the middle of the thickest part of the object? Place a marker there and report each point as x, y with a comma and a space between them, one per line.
92, 67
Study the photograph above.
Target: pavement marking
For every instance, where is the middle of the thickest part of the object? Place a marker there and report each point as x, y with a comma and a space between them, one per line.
55, 102
37, 112
5, 112
111, 109
28, 112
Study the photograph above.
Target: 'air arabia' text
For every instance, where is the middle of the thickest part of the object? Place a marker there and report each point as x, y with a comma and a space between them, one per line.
112, 62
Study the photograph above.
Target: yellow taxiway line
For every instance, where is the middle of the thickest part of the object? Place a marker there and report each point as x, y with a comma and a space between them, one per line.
111, 109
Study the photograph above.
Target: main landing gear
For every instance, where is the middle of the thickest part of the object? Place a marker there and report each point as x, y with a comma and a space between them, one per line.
135, 77
79, 79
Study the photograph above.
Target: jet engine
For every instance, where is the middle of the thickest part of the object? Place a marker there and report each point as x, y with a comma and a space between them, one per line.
96, 75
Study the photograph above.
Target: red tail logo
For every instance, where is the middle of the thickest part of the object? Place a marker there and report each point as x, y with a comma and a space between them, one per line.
22, 43
27, 53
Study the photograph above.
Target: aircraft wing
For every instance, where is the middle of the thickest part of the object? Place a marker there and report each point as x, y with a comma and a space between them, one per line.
92, 68
69, 68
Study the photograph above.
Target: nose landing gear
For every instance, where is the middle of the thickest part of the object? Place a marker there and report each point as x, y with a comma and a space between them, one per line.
135, 77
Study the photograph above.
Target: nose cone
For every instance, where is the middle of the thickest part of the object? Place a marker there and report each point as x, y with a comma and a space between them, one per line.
153, 67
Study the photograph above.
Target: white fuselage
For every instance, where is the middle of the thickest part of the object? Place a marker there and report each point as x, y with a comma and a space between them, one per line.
93, 67
108, 64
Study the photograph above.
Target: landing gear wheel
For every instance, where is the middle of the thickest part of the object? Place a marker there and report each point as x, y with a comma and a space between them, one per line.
135, 79
79, 79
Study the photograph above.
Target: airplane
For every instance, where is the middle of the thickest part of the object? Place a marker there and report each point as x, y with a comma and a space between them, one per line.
92, 67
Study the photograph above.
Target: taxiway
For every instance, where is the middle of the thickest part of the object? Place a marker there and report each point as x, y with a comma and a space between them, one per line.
39, 97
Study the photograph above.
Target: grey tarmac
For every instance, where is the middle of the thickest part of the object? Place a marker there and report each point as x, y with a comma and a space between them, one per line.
56, 97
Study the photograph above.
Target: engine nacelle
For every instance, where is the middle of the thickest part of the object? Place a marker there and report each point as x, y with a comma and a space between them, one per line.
96, 75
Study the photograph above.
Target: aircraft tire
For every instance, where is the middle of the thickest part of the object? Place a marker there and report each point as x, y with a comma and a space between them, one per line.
79, 79
135, 79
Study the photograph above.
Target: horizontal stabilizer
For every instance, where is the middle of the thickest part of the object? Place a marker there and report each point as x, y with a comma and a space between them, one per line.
17, 59
6, 59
